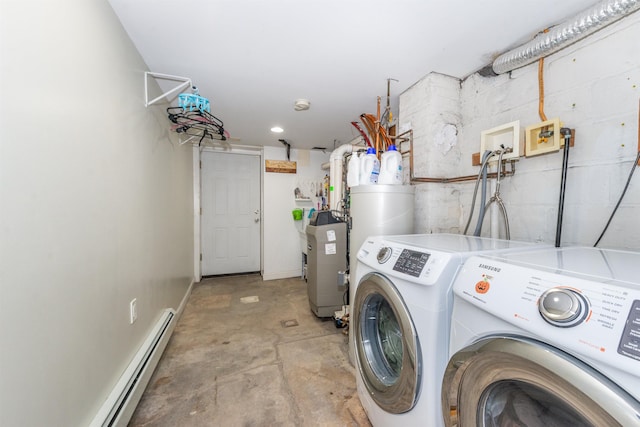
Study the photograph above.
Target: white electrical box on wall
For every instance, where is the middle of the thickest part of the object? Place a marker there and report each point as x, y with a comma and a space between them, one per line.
506, 135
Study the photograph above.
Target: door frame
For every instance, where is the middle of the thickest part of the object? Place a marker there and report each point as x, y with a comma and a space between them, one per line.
197, 201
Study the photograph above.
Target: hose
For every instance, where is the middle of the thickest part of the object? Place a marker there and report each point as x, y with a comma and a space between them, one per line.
364, 135
496, 198
633, 168
570, 31
382, 141
563, 182
483, 199
475, 191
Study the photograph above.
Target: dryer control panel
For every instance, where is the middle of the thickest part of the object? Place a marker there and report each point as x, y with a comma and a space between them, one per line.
413, 264
428, 259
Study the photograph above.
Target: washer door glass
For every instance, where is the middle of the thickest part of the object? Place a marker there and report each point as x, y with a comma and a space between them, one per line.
509, 380
518, 403
387, 349
383, 340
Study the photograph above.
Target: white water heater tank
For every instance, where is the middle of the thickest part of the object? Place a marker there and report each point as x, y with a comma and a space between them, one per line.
376, 210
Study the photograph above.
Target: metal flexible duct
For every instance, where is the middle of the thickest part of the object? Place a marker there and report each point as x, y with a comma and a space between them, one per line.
566, 33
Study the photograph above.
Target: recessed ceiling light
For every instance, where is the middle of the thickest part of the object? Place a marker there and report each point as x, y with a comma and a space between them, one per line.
277, 129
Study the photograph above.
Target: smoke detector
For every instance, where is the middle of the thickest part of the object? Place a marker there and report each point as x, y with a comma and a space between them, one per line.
301, 104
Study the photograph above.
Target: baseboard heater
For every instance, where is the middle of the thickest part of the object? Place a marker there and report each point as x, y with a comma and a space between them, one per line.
121, 403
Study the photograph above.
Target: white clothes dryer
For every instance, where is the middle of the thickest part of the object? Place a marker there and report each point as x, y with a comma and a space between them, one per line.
400, 321
546, 338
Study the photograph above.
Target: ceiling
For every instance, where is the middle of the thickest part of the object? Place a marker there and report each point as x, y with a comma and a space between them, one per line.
253, 58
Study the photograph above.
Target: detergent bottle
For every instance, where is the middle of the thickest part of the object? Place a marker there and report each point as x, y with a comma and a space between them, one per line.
369, 167
391, 167
353, 170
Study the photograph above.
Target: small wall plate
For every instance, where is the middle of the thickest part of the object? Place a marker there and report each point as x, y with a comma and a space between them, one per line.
542, 138
507, 135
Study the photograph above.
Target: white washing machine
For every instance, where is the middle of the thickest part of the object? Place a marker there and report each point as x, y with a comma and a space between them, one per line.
400, 321
545, 338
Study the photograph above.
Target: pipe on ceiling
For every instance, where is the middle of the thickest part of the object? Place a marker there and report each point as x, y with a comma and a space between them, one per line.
566, 33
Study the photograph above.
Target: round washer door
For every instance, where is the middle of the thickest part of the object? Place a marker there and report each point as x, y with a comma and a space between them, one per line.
387, 348
512, 380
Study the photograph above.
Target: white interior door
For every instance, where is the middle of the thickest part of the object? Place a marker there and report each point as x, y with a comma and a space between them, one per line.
230, 221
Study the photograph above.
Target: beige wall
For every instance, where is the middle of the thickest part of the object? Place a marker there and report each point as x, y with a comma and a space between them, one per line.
282, 252
96, 206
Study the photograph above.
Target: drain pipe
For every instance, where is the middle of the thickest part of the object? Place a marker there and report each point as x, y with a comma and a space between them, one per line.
568, 32
336, 162
566, 133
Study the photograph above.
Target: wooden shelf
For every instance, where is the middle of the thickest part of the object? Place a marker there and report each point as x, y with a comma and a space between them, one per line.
279, 166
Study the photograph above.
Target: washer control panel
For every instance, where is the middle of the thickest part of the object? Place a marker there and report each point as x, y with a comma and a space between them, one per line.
600, 319
630, 341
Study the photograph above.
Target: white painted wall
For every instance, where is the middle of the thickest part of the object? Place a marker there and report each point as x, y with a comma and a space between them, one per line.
593, 86
96, 209
282, 254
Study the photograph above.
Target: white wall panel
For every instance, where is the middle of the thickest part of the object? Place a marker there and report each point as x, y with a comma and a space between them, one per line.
96, 208
282, 253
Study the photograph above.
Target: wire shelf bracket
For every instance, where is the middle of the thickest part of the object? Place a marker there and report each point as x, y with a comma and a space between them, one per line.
184, 82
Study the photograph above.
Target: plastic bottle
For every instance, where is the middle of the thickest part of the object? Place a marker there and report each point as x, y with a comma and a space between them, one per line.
391, 167
369, 168
353, 170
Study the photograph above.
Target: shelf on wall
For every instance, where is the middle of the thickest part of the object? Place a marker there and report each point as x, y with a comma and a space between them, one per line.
280, 166
185, 83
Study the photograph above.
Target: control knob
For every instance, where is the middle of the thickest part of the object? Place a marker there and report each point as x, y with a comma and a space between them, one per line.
384, 254
563, 307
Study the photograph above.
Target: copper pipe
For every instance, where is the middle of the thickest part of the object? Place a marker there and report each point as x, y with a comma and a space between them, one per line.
377, 123
408, 135
460, 178
543, 117
377, 132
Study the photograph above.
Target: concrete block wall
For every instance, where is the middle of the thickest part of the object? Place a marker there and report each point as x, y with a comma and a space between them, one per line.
431, 109
593, 86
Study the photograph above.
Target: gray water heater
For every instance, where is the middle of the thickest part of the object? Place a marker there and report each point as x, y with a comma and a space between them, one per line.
326, 257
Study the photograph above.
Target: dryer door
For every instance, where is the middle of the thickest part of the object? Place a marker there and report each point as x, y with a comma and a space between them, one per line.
387, 349
509, 380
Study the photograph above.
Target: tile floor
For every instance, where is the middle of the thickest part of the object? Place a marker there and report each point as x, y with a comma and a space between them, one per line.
251, 353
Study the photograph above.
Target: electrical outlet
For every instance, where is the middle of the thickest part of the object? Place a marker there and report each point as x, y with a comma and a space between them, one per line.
503, 136
133, 310
543, 138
